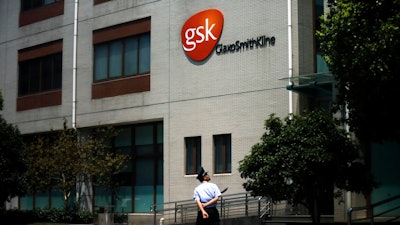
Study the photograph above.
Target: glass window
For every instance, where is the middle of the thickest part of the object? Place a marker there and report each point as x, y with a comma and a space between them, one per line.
57, 68
47, 73
223, 153
144, 54
115, 59
103, 197
34, 76
131, 48
141, 183
142, 180
26, 202
124, 57
124, 200
49, 1
57, 198
100, 62
40, 75
42, 200
32, 4
123, 138
319, 11
144, 135
193, 154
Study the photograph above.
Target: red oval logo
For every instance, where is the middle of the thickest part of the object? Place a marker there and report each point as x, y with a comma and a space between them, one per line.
201, 32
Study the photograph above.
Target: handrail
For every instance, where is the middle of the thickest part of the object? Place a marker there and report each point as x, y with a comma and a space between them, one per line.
371, 207
231, 206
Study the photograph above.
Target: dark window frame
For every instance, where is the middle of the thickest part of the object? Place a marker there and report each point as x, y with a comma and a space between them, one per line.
128, 177
32, 14
125, 85
96, 2
226, 154
123, 41
52, 63
39, 99
27, 5
192, 149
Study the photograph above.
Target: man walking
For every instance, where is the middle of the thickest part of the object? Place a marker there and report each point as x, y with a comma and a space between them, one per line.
206, 196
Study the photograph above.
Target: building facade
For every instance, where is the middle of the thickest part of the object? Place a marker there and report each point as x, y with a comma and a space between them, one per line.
188, 84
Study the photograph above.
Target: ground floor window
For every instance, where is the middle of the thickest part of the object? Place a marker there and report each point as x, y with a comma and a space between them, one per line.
140, 184
43, 200
142, 180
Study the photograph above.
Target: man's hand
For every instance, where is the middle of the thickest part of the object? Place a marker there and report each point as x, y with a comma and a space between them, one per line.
205, 214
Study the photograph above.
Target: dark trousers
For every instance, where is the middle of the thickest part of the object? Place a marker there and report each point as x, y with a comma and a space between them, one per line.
213, 217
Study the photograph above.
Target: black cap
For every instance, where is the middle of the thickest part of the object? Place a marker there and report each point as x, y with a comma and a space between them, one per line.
201, 174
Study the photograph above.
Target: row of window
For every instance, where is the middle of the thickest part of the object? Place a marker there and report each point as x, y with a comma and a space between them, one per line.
33, 11
120, 51
139, 189
34, 4
114, 59
140, 183
222, 154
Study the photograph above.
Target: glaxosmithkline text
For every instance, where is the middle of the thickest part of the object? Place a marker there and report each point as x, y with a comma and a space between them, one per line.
250, 44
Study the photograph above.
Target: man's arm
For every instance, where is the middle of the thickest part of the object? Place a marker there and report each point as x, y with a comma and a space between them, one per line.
201, 207
212, 201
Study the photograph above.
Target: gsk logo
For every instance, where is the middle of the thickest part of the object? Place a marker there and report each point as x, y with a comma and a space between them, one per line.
201, 32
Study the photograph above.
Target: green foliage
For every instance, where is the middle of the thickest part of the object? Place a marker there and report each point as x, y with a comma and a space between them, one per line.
40, 168
16, 216
12, 166
301, 157
65, 159
120, 218
359, 41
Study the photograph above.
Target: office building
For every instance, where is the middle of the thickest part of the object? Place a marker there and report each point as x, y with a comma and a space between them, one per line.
187, 83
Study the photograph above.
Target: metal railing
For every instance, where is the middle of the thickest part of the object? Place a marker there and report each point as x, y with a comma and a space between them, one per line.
384, 216
229, 206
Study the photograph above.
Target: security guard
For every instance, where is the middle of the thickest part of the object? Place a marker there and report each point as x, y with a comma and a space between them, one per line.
206, 196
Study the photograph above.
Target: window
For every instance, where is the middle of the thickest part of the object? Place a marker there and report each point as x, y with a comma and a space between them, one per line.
32, 4
40, 75
319, 11
121, 59
142, 182
223, 153
193, 154
124, 57
33, 11
95, 2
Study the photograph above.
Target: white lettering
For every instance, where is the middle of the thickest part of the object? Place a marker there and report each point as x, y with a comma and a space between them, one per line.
189, 35
208, 31
201, 35
198, 35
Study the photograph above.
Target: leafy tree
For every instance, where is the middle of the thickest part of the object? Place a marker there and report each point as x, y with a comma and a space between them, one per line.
40, 168
12, 166
361, 45
301, 157
66, 158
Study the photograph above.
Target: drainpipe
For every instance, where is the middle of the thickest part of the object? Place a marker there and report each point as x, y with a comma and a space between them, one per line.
290, 59
347, 128
74, 67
